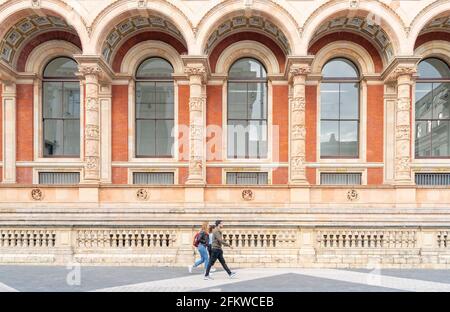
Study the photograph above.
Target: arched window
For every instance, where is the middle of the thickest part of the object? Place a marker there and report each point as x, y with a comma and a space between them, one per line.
339, 110
247, 109
154, 108
61, 109
432, 109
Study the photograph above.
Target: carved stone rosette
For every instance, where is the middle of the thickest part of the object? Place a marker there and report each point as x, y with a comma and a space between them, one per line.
403, 74
90, 73
297, 101
197, 99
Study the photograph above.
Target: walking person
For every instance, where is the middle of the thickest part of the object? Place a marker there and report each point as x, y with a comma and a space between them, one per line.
211, 235
201, 241
217, 252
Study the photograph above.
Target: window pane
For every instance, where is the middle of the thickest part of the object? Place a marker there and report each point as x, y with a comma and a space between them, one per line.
164, 92
52, 102
329, 138
164, 139
440, 138
423, 138
257, 139
53, 137
424, 98
256, 100
145, 140
340, 68
61, 67
237, 100
247, 69
145, 100
348, 137
433, 68
349, 99
72, 137
155, 67
71, 100
329, 100
237, 138
440, 100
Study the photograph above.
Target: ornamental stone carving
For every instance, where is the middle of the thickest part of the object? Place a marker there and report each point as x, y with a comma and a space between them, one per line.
298, 132
402, 163
92, 132
298, 103
195, 70
142, 194
352, 195
89, 69
196, 132
248, 195
92, 162
37, 194
403, 104
402, 132
298, 70
196, 103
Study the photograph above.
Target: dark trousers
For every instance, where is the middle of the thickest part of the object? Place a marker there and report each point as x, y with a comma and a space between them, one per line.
217, 254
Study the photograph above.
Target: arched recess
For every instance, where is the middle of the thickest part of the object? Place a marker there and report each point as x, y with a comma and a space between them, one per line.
354, 52
31, 30
350, 42
247, 48
385, 30
156, 15
438, 48
264, 17
144, 50
432, 23
44, 53
12, 12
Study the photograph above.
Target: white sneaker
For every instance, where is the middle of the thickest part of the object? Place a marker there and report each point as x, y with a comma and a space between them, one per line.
213, 270
190, 268
232, 274
208, 278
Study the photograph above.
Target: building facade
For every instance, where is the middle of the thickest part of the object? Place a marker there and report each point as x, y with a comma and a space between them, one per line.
319, 131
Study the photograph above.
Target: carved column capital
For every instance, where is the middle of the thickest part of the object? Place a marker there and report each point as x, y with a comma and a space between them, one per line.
89, 69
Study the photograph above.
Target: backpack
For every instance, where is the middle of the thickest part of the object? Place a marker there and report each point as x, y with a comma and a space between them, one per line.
196, 239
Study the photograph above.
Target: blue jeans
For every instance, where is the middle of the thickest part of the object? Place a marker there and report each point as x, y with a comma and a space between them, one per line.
204, 256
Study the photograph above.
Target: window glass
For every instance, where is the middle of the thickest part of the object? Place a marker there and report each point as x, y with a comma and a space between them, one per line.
155, 68
61, 109
154, 109
247, 110
339, 110
432, 111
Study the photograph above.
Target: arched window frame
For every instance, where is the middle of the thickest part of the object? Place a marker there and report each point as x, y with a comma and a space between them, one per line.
265, 81
141, 79
342, 80
43, 118
428, 122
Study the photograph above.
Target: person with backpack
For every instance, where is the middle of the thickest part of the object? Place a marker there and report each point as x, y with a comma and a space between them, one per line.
201, 240
217, 252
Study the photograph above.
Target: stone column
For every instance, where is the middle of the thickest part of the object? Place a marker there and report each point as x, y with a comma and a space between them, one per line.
9, 131
105, 98
297, 124
197, 101
403, 75
91, 73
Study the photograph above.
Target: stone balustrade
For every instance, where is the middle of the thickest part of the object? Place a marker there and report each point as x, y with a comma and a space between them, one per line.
255, 247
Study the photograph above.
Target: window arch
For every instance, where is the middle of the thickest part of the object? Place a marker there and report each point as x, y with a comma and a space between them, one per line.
61, 108
339, 109
432, 111
154, 108
247, 109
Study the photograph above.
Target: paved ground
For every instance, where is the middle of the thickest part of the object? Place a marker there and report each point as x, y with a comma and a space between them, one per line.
58, 278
